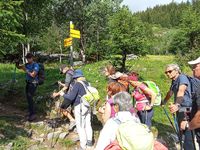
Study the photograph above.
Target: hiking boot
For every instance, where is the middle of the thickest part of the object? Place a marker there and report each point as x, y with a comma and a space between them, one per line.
72, 125
32, 117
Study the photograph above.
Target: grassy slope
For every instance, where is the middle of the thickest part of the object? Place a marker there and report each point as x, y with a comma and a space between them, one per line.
149, 68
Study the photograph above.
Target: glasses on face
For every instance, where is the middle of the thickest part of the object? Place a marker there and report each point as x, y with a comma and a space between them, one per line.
169, 71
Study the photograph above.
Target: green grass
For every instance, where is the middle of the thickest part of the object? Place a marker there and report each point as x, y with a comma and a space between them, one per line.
149, 68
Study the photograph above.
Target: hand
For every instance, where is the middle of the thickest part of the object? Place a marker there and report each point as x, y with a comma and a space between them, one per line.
148, 107
54, 95
183, 125
59, 82
173, 108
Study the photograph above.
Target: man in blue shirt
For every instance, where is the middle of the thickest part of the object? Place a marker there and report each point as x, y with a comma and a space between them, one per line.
181, 89
31, 68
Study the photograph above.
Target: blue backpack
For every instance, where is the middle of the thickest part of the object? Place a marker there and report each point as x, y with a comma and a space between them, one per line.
195, 87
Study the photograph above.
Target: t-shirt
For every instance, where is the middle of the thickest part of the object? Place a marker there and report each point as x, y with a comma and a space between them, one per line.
30, 68
182, 80
76, 93
69, 81
141, 98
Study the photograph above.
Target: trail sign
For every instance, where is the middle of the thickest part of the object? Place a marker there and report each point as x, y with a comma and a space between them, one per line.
75, 33
67, 42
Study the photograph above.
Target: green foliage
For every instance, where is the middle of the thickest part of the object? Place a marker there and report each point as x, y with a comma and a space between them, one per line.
186, 43
11, 21
165, 15
128, 35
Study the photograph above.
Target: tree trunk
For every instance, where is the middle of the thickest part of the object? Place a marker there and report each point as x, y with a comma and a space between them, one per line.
23, 53
123, 68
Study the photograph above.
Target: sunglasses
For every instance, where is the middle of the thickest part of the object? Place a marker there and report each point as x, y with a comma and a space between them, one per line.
169, 71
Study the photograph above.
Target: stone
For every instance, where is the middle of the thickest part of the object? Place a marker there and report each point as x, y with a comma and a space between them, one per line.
39, 123
53, 135
63, 135
9, 146
42, 135
2, 136
131, 56
33, 147
29, 133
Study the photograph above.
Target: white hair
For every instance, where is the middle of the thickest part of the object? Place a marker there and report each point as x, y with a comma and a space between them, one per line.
123, 99
174, 66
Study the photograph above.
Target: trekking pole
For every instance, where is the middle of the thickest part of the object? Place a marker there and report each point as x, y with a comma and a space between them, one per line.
170, 120
178, 131
193, 139
192, 133
54, 124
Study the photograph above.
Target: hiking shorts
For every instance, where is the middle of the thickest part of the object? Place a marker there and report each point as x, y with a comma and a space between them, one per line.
65, 104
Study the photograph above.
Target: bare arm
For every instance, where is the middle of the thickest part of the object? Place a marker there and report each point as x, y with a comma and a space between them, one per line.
195, 122
168, 96
22, 67
180, 94
152, 94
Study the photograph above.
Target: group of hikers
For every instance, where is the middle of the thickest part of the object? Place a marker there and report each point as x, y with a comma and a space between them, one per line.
125, 126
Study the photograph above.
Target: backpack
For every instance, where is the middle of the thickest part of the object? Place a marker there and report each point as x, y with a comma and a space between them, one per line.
152, 85
195, 85
134, 136
92, 95
41, 74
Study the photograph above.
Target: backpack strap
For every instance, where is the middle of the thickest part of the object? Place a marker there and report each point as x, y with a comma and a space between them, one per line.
86, 88
116, 120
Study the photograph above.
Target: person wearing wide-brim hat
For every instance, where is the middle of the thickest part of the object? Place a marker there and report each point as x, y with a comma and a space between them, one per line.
195, 65
82, 113
194, 123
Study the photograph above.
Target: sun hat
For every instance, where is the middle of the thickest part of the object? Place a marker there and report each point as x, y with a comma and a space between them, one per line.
194, 62
78, 73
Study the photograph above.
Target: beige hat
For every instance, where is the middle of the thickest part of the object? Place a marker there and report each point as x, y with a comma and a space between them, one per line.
193, 62
116, 75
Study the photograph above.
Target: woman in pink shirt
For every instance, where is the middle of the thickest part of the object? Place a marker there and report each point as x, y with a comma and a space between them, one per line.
145, 99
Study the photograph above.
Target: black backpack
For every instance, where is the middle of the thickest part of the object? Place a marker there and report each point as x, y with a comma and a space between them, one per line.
41, 74
195, 86
195, 94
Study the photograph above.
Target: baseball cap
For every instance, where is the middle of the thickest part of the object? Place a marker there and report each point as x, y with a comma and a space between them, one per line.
193, 62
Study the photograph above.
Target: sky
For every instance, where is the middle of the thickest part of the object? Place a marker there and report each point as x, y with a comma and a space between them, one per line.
139, 5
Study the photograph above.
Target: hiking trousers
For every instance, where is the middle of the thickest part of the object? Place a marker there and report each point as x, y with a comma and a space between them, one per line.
83, 124
186, 135
146, 117
30, 91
